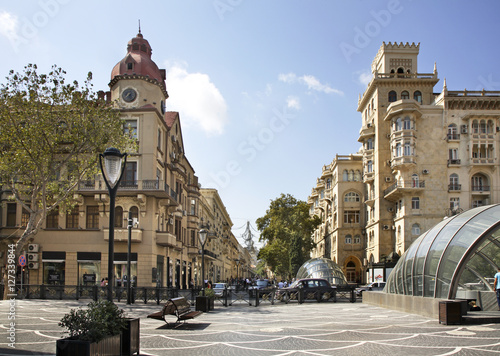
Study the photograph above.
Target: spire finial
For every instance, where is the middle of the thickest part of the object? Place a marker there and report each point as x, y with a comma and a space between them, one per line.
139, 25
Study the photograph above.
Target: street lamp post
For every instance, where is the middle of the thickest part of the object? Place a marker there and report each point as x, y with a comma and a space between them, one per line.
237, 261
129, 252
203, 238
112, 171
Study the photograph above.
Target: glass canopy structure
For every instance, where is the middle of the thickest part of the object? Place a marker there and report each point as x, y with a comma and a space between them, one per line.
459, 254
322, 268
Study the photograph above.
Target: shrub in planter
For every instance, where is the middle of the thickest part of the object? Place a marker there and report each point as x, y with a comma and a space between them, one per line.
99, 327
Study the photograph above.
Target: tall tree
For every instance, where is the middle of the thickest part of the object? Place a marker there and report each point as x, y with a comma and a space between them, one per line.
51, 134
286, 230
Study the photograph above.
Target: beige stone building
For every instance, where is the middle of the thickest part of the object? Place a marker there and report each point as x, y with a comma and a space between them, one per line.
426, 155
160, 189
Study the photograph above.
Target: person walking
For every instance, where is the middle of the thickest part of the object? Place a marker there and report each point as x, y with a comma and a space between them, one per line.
497, 287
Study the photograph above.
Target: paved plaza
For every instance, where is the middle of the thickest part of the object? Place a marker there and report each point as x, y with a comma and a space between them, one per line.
293, 329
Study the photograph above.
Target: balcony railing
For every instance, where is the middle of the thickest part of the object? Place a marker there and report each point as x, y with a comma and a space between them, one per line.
146, 184
454, 187
409, 184
480, 188
453, 137
453, 162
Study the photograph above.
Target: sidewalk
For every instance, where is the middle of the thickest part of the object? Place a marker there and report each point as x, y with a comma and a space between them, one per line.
293, 329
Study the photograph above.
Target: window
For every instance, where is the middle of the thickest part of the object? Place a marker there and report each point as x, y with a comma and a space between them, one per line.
407, 123
393, 96
415, 181
357, 239
351, 217
454, 185
118, 216
348, 239
407, 149
415, 203
350, 175
415, 229
345, 176
399, 124
25, 216
398, 150
159, 139
134, 213
72, 217
369, 166
475, 126
357, 176
130, 175
52, 221
92, 217
405, 95
11, 214
417, 96
130, 128
328, 183
482, 127
454, 204
478, 183
369, 144
351, 197
452, 132
130, 66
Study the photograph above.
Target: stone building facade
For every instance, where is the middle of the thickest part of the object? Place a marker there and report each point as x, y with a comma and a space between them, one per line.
159, 187
426, 155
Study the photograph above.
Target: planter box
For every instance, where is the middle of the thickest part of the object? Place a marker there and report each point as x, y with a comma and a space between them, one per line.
202, 304
110, 346
131, 337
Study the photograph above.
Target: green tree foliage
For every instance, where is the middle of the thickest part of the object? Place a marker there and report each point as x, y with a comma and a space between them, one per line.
286, 230
51, 134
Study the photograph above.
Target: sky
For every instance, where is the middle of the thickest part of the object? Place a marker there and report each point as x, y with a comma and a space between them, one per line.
267, 91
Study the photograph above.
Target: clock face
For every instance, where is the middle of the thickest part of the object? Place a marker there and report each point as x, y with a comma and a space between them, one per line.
129, 95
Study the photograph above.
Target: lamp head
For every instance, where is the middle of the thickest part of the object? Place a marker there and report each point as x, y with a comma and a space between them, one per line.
113, 165
203, 236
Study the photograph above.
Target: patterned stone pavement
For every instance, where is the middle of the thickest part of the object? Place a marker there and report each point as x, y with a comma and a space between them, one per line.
307, 329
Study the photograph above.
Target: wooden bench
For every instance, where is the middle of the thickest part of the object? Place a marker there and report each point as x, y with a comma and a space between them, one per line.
178, 307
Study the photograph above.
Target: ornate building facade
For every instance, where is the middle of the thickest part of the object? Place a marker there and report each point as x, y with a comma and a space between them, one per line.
425, 155
159, 187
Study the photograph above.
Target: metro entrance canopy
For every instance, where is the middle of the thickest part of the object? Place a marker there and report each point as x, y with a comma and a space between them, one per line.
457, 255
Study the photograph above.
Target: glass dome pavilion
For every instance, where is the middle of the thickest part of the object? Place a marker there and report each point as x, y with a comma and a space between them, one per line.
322, 268
459, 254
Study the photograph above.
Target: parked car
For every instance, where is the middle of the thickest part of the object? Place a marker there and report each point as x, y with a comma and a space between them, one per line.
370, 287
261, 284
313, 288
219, 289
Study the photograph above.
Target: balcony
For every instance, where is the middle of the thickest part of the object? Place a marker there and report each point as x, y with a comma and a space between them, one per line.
454, 187
402, 161
153, 186
453, 137
121, 235
166, 239
480, 189
394, 192
483, 161
453, 162
366, 131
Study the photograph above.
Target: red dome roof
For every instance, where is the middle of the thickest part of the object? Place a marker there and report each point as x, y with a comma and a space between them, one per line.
138, 61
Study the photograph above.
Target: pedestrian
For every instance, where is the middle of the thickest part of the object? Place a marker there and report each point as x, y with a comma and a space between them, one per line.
496, 283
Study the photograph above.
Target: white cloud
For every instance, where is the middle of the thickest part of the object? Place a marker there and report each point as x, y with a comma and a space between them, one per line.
310, 81
365, 78
197, 100
8, 25
293, 102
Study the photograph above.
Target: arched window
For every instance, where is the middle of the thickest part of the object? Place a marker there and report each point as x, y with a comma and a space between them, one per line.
393, 96
398, 150
345, 176
479, 183
369, 144
350, 176
407, 149
490, 126
482, 126
348, 239
415, 229
405, 95
369, 166
135, 212
118, 216
454, 183
475, 126
417, 96
400, 72
328, 183
357, 175
351, 197
407, 123
415, 180
399, 124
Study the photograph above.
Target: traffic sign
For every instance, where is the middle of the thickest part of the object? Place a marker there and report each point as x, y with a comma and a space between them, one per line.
22, 260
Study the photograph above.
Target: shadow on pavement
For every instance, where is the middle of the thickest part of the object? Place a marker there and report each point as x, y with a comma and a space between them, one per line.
184, 326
